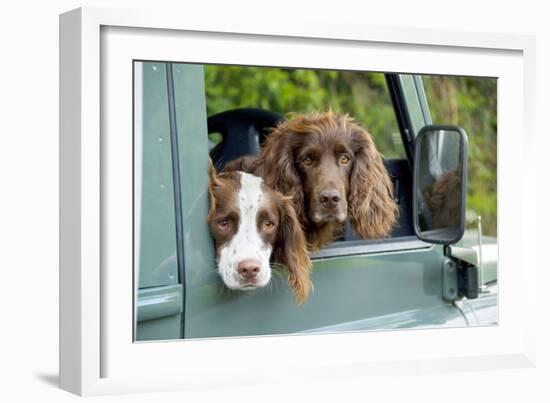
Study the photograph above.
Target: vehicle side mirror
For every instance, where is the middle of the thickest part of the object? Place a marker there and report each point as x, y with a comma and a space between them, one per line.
440, 183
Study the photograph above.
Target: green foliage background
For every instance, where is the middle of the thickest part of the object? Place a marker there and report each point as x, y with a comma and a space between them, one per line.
464, 101
471, 102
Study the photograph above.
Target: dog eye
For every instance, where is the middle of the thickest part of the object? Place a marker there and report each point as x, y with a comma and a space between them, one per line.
269, 224
344, 159
307, 160
223, 223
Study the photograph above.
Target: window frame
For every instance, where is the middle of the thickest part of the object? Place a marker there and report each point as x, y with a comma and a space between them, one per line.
407, 94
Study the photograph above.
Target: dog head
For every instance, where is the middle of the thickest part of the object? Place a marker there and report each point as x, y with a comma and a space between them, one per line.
250, 222
336, 173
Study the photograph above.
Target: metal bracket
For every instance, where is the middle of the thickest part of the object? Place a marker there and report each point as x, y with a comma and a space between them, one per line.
449, 280
460, 276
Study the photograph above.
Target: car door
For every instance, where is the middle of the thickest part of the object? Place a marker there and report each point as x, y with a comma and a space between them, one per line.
358, 284
158, 283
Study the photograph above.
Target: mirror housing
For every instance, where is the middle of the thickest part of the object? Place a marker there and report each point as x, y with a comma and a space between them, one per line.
440, 184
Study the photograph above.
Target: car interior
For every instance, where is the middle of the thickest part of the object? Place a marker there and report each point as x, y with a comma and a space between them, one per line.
244, 130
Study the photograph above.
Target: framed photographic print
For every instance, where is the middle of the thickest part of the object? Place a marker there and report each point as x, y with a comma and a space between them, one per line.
253, 195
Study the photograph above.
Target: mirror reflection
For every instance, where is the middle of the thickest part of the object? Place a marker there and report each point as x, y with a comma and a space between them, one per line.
440, 187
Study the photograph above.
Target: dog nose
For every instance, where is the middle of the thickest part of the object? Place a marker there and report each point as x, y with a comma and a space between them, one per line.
329, 198
248, 269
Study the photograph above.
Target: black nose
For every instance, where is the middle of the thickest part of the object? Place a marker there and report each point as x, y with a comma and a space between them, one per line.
248, 269
329, 198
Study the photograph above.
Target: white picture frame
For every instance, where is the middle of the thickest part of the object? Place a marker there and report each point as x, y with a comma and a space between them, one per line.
96, 355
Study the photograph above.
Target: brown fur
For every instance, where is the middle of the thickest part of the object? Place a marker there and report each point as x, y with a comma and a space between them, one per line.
443, 200
291, 250
370, 206
222, 190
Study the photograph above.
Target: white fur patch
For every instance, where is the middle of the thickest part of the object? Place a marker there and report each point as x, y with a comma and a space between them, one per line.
247, 242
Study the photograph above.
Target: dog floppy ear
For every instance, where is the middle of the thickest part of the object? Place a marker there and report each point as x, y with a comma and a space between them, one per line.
371, 207
214, 182
291, 250
276, 166
211, 171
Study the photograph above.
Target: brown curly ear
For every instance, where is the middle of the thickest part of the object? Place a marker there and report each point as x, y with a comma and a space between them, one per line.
291, 250
371, 209
276, 166
248, 163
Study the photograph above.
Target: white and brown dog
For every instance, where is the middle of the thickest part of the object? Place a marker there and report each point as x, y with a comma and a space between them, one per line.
249, 222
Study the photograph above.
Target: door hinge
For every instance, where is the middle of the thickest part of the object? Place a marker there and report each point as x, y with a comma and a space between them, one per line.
460, 277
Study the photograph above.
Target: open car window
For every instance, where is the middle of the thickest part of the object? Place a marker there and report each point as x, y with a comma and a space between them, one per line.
246, 91
364, 95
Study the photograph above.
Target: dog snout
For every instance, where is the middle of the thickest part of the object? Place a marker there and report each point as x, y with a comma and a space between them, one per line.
329, 198
248, 269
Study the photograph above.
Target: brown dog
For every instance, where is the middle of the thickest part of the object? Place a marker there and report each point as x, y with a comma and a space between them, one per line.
331, 167
442, 198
